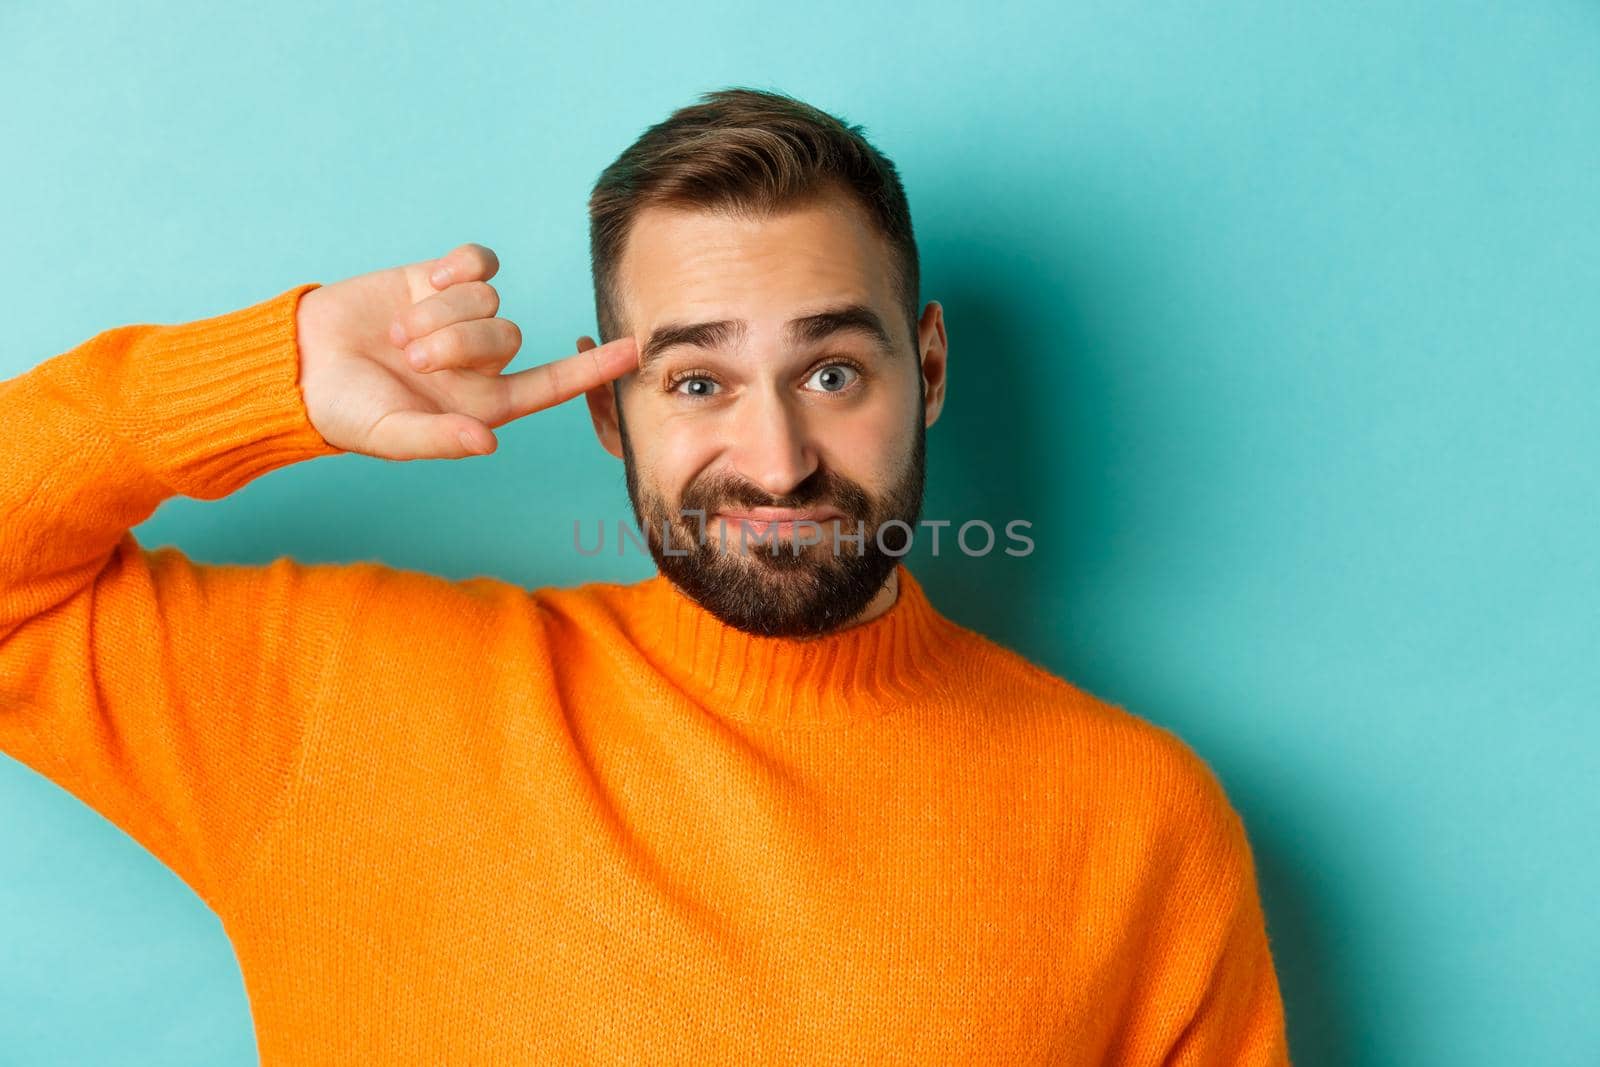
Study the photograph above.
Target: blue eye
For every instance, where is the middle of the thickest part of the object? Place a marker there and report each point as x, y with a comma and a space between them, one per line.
836, 377
704, 385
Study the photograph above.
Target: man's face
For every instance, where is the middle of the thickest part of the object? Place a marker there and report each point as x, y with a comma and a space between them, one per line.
778, 380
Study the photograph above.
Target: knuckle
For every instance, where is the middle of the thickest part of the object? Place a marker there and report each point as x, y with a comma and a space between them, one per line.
479, 259
513, 334
483, 297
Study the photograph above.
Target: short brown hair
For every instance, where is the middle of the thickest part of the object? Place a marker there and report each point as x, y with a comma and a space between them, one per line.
753, 151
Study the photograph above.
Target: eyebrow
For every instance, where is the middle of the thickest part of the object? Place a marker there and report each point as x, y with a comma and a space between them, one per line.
807, 329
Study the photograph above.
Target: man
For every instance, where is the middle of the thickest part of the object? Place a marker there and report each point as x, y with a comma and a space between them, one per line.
764, 807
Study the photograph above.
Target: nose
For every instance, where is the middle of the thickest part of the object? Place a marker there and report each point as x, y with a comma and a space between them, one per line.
772, 446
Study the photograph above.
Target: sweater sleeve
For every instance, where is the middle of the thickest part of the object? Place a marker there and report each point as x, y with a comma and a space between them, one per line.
1211, 973
169, 695
1239, 1019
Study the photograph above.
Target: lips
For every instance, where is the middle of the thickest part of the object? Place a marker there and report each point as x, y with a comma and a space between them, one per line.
761, 520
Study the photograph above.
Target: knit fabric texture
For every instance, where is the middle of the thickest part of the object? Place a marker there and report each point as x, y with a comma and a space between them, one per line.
466, 822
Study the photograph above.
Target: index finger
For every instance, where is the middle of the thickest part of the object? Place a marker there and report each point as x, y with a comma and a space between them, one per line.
556, 382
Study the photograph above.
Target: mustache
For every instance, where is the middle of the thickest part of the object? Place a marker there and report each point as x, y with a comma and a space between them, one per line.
817, 490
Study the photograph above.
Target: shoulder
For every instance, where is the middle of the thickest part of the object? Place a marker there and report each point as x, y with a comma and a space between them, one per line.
1116, 754
384, 588
1035, 690
390, 606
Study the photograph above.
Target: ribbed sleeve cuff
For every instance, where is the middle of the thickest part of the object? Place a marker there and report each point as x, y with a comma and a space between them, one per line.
219, 398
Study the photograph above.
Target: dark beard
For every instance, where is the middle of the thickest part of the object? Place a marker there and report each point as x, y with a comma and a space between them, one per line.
774, 589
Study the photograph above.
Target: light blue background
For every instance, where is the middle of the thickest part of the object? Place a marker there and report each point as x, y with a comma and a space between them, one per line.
1279, 320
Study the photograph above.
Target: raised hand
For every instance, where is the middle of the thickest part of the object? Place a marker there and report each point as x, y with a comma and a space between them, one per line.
405, 363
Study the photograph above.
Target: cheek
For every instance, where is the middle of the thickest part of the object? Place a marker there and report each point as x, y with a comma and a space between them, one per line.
869, 448
677, 452
864, 441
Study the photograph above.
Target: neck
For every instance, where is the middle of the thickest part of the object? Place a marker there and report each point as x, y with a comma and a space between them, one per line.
881, 601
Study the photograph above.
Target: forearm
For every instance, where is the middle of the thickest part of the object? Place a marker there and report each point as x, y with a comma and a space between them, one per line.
100, 435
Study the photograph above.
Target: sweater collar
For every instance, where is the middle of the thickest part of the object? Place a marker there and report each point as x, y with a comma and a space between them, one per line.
854, 673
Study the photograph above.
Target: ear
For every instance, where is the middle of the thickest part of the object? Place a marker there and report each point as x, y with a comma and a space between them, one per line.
603, 409
935, 352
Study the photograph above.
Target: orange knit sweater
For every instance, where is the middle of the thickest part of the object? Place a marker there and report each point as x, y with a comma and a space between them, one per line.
464, 822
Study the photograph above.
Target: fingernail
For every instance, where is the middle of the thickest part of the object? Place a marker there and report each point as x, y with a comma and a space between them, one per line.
397, 334
467, 442
440, 276
418, 358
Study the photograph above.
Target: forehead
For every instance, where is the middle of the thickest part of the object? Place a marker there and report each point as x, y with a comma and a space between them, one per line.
696, 263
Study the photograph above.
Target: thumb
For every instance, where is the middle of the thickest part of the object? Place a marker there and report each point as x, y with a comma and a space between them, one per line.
407, 435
